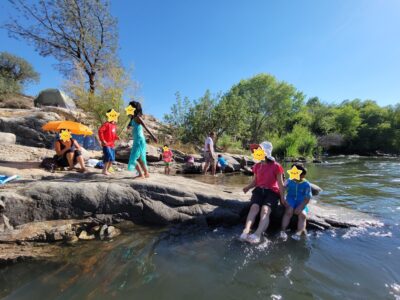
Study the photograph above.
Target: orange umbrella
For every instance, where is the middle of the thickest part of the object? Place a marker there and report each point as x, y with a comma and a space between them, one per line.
74, 127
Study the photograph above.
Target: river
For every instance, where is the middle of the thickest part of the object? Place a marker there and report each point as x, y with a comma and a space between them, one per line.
197, 263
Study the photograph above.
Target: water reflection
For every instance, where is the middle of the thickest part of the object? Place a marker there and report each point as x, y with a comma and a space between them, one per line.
199, 263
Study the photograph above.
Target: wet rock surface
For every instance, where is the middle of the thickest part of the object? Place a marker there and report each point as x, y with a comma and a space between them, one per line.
69, 207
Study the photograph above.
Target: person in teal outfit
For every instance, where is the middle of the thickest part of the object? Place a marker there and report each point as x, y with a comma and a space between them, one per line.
137, 158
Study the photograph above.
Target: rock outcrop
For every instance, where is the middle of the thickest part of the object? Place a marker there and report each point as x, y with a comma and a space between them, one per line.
161, 200
7, 138
27, 128
123, 150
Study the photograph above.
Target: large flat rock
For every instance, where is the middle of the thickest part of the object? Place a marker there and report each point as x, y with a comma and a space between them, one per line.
159, 200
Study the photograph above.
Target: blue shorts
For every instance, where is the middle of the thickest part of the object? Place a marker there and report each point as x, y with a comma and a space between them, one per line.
108, 154
294, 204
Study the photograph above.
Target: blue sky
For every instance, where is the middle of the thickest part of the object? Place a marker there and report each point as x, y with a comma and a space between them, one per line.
335, 50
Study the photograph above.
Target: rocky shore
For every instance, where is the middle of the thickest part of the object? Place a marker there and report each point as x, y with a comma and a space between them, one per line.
67, 207
42, 211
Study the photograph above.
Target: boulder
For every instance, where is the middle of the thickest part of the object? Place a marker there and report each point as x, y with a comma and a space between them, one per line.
195, 168
54, 97
7, 138
4, 223
27, 128
233, 164
112, 232
85, 236
159, 200
123, 151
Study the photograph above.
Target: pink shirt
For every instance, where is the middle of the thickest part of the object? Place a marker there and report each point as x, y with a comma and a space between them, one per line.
167, 156
266, 174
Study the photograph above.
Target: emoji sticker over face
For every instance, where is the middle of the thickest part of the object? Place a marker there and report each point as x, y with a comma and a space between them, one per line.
294, 173
165, 148
259, 154
130, 110
65, 135
112, 116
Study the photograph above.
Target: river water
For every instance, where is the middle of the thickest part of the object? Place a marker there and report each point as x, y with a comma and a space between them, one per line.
194, 263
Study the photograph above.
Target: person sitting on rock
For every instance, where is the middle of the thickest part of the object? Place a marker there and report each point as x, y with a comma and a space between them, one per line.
222, 162
268, 190
298, 196
68, 154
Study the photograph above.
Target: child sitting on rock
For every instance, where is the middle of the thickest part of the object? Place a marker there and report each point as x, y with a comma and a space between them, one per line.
297, 197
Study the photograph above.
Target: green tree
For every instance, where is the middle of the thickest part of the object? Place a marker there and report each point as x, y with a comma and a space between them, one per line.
112, 86
322, 117
268, 105
15, 73
78, 33
347, 120
177, 118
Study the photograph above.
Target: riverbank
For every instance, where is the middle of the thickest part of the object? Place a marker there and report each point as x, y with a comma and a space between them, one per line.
43, 208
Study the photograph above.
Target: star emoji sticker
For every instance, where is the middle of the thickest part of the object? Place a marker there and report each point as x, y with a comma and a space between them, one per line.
259, 154
294, 173
165, 148
130, 110
112, 116
65, 135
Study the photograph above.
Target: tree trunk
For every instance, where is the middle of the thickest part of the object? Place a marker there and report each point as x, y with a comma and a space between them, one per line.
92, 83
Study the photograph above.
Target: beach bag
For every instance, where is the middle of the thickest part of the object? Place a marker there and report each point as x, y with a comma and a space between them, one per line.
49, 164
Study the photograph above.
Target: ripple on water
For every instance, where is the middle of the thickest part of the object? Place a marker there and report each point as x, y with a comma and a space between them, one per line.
381, 234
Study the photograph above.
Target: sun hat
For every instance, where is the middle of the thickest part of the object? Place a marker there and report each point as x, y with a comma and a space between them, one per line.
267, 147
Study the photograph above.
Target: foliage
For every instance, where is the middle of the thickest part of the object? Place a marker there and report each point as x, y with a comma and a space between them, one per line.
263, 108
111, 87
15, 73
299, 142
77, 33
229, 144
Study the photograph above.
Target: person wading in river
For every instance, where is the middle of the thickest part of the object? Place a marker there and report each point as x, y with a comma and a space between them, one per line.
268, 190
209, 154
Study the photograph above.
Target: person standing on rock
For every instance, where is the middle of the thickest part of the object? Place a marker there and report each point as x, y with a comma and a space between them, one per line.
268, 190
209, 154
167, 156
108, 136
138, 151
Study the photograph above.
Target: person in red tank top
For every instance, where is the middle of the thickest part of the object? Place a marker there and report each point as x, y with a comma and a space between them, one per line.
268, 189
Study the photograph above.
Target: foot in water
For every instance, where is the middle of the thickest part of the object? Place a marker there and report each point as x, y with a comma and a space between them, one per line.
297, 235
283, 236
253, 239
243, 237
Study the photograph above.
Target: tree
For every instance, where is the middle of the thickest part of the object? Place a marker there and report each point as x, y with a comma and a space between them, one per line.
269, 104
112, 86
15, 73
78, 33
347, 120
177, 119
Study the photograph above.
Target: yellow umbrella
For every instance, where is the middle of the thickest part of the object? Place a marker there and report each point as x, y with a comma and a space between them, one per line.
74, 127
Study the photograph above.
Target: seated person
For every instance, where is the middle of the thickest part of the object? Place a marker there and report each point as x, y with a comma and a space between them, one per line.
222, 162
68, 154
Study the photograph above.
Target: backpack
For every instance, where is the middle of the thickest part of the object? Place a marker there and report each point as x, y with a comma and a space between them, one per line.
49, 164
